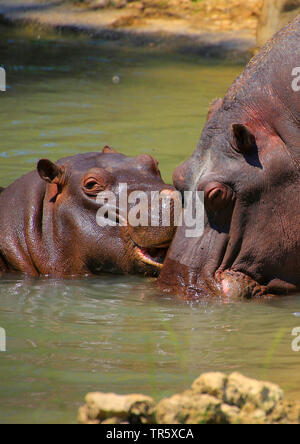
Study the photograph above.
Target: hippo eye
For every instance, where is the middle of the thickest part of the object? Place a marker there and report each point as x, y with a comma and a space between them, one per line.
96, 180
90, 184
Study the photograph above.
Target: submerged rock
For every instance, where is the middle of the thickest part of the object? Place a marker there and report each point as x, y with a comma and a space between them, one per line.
214, 398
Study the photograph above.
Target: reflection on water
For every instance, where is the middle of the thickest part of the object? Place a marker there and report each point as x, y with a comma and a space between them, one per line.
120, 334
116, 333
62, 100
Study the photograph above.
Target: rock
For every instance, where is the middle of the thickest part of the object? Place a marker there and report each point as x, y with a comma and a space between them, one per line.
174, 410
102, 407
119, 3
211, 383
114, 420
250, 414
241, 390
83, 417
259, 417
214, 398
100, 4
231, 414
293, 413
190, 408
275, 15
287, 413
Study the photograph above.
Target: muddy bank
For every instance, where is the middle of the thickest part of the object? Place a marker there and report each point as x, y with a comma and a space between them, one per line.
214, 398
274, 16
207, 32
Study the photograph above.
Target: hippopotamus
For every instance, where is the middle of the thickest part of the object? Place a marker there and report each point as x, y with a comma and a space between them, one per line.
49, 225
247, 164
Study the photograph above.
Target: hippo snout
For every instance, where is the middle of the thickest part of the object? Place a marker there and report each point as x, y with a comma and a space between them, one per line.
153, 239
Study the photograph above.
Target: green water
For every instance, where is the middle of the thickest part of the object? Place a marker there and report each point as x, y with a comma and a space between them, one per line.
116, 333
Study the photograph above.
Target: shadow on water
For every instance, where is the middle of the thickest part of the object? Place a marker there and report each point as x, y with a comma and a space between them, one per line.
34, 7
61, 100
65, 55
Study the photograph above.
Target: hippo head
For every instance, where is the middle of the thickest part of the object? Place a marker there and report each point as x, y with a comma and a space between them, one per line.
71, 205
251, 240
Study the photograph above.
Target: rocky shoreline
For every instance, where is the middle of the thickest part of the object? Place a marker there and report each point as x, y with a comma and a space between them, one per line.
214, 398
114, 25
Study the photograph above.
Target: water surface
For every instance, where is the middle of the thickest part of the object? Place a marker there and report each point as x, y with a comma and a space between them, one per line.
116, 333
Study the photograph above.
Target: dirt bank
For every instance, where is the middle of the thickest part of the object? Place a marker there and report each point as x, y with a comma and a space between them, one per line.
210, 27
204, 15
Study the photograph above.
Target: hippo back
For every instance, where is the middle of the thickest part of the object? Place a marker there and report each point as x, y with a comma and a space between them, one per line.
267, 92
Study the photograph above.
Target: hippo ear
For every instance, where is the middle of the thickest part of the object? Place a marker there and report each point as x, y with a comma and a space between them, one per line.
48, 170
214, 107
108, 150
244, 140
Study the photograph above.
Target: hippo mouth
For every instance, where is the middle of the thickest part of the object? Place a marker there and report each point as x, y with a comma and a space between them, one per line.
154, 256
208, 266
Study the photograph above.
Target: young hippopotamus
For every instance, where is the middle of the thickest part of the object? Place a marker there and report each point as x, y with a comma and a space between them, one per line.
247, 163
49, 221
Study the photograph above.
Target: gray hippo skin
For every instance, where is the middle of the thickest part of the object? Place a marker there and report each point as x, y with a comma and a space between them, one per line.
248, 165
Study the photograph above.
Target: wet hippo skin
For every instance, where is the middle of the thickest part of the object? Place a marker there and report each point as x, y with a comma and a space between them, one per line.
48, 218
247, 163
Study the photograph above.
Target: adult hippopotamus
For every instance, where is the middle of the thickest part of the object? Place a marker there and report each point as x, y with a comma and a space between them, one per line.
247, 163
49, 225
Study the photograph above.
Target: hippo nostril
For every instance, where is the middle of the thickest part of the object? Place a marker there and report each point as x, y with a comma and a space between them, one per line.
168, 193
175, 198
217, 196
